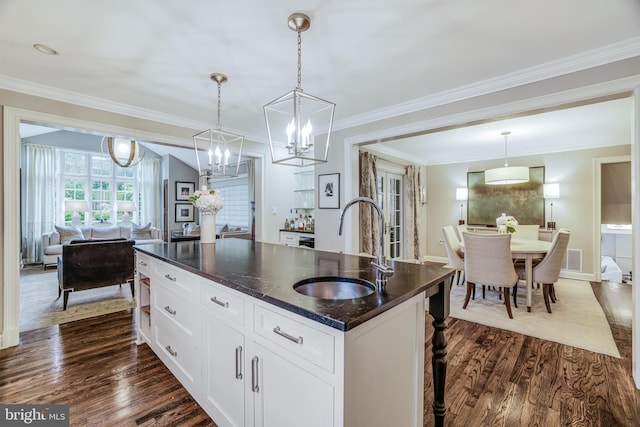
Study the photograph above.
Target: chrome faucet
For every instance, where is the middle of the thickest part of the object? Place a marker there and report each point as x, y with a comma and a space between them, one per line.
382, 269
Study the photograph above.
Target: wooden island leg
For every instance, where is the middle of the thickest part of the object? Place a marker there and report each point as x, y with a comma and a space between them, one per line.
439, 310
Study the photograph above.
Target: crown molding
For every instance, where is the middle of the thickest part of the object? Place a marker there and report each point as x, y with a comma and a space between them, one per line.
56, 94
589, 59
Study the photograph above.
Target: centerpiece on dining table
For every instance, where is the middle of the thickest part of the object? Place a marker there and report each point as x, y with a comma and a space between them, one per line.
506, 224
209, 203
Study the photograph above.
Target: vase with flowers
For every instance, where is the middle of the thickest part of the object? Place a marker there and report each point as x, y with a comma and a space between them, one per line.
506, 224
209, 203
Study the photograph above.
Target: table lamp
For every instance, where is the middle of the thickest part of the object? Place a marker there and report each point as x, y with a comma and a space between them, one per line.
550, 192
462, 194
76, 206
126, 206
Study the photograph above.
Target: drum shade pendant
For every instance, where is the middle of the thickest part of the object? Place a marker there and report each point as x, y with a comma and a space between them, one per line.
123, 152
299, 124
218, 153
507, 174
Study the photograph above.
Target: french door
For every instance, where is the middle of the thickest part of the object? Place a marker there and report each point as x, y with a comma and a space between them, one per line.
390, 198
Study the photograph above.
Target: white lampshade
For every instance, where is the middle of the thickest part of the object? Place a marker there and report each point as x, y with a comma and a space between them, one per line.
506, 175
462, 194
76, 206
126, 206
551, 191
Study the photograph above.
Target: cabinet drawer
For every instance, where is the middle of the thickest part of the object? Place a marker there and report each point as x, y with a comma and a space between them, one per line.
290, 239
176, 310
288, 333
223, 302
178, 351
180, 282
143, 264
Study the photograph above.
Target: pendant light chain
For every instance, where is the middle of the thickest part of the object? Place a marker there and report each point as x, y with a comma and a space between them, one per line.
218, 127
299, 60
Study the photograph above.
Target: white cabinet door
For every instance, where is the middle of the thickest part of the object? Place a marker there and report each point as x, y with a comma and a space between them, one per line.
286, 395
223, 372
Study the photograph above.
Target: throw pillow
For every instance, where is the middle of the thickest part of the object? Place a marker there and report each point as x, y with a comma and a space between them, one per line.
140, 232
105, 232
67, 234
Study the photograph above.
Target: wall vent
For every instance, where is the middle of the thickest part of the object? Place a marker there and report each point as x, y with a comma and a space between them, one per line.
573, 260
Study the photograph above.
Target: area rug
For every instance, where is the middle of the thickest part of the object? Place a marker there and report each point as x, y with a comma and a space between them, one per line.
40, 305
577, 319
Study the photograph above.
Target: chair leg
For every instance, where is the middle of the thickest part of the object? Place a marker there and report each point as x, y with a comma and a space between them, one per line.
515, 294
131, 284
470, 289
552, 293
545, 291
483, 291
507, 302
65, 300
473, 291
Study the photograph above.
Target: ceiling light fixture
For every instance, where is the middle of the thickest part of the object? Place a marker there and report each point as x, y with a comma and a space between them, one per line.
43, 48
507, 174
299, 124
124, 152
217, 152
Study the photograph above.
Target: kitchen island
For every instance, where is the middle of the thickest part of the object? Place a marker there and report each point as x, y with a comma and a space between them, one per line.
251, 350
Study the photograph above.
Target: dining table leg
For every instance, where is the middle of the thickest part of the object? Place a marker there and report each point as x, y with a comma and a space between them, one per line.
528, 268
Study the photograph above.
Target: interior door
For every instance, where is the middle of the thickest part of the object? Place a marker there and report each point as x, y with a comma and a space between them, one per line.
390, 196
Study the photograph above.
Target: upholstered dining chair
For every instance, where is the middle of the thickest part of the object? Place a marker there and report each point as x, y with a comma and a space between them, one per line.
454, 253
461, 228
527, 231
488, 261
548, 269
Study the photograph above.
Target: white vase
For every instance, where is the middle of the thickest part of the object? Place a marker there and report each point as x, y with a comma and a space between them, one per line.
207, 228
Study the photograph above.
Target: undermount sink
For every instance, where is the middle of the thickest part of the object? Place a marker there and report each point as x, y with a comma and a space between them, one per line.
335, 287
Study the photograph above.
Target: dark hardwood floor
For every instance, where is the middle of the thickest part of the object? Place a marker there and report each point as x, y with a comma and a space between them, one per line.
494, 377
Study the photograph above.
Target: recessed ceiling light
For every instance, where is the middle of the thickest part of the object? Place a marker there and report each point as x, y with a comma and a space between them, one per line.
45, 49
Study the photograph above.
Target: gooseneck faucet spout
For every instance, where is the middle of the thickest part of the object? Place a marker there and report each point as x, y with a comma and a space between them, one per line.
382, 269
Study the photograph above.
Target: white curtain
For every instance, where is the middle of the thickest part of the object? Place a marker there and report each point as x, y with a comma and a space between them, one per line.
150, 190
413, 218
40, 199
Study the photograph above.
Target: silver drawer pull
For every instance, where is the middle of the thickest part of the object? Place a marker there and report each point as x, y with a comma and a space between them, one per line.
239, 362
220, 303
171, 352
168, 310
142, 263
254, 375
278, 331
169, 277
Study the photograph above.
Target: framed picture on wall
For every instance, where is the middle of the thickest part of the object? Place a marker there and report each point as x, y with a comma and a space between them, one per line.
329, 191
184, 212
184, 190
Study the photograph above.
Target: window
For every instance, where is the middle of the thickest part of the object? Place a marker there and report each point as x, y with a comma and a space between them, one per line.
94, 177
235, 193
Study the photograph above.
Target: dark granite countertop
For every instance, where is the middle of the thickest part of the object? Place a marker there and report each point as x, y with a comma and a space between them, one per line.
269, 271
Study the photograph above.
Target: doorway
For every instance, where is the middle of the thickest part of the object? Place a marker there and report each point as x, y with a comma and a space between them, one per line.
389, 184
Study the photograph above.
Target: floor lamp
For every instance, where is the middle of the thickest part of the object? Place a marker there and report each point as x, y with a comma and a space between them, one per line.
462, 194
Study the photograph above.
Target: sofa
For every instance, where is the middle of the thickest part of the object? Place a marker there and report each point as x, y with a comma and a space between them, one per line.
53, 241
90, 264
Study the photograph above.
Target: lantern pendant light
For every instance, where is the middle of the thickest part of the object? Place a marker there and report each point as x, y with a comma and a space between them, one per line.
218, 153
299, 124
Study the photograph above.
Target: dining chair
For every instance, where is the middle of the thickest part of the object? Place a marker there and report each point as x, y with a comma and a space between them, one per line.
461, 228
454, 253
488, 261
548, 269
527, 231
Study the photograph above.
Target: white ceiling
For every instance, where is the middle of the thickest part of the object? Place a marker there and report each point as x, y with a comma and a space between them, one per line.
153, 59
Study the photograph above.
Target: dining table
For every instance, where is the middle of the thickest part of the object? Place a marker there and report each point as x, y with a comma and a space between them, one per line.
527, 250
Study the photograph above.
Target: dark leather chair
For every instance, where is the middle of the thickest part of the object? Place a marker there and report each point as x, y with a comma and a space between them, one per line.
90, 264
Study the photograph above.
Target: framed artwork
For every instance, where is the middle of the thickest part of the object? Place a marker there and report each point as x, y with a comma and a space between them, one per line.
184, 190
523, 201
329, 191
184, 212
